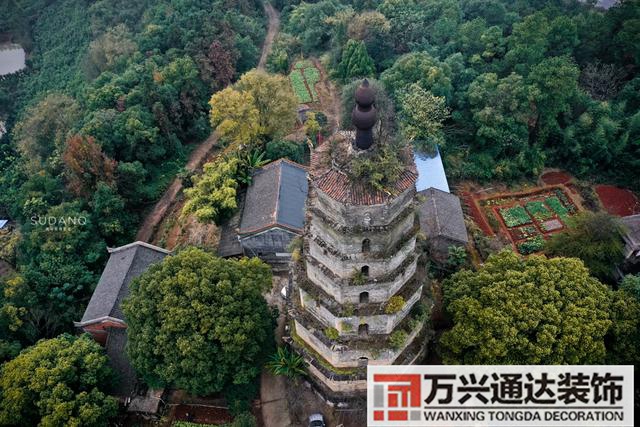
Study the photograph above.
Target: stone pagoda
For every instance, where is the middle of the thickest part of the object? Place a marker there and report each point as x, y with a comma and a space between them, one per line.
358, 292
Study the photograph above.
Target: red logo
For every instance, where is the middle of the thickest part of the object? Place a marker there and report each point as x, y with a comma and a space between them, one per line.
396, 397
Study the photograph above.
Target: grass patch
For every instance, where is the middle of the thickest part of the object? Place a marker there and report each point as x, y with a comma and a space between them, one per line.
515, 216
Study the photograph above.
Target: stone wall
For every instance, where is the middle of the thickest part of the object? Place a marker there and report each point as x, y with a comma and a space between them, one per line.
363, 215
347, 293
378, 323
343, 357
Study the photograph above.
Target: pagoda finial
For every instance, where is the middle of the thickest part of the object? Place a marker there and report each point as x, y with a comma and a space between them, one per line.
364, 115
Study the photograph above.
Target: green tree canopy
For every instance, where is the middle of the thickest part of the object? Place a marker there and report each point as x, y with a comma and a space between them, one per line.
57, 382
594, 238
355, 61
420, 68
533, 310
421, 118
200, 323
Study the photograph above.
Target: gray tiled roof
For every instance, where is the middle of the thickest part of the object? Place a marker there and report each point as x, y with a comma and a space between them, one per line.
441, 215
276, 196
125, 382
125, 263
632, 232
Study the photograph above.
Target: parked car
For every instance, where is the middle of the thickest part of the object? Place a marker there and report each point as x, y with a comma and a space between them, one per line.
316, 420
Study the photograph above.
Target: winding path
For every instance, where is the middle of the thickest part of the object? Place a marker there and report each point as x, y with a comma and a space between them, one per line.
274, 27
197, 158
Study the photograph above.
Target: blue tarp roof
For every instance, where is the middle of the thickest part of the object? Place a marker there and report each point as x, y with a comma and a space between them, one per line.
431, 172
3, 222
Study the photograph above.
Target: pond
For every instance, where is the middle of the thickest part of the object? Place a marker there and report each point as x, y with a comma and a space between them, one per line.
12, 58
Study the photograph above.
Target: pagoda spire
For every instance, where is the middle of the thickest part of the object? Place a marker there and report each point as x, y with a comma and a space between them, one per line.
364, 115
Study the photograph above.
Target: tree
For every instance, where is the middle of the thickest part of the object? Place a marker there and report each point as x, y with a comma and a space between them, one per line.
286, 362
503, 115
308, 21
234, 116
45, 128
108, 49
420, 68
595, 238
421, 118
86, 166
631, 285
199, 322
372, 28
623, 338
283, 148
274, 100
213, 195
57, 382
259, 105
355, 61
533, 310
220, 64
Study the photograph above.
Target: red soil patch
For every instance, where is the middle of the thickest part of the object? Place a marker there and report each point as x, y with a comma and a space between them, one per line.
618, 201
555, 178
476, 213
202, 414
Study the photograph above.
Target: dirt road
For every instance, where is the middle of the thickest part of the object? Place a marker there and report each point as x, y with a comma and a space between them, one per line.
154, 218
274, 26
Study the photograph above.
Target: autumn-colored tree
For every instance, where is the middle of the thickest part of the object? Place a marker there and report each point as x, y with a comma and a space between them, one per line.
234, 116
86, 165
213, 195
258, 105
533, 310
273, 98
45, 128
220, 64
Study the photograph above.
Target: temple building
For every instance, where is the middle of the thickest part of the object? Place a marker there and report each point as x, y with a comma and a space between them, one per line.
358, 288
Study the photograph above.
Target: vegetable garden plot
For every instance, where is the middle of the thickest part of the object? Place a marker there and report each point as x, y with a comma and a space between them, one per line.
528, 218
304, 77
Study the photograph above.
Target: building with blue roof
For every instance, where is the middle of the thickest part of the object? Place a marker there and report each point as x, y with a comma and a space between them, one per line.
431, 172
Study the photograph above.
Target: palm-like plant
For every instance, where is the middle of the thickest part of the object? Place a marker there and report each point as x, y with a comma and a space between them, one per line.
248, 163
287, 363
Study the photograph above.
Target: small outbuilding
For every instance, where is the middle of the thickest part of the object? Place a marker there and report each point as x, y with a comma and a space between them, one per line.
442, 221
274, 211
103, 317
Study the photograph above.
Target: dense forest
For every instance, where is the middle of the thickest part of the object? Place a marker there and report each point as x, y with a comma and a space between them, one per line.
117, 93
113, 98
529, 83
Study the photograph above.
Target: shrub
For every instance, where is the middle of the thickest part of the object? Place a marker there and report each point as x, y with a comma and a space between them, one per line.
331, 333
285, 149
397, 339
394, 304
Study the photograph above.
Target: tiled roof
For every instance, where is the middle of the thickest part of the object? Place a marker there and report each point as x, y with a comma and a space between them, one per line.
336, 183
276, 197
125, 263
441, 215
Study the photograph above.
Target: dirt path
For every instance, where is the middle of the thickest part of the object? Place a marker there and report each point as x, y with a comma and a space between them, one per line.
202, 153
274, 26
329, 97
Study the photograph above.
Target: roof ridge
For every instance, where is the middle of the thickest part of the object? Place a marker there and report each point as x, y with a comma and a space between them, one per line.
435, 208
138, 243
278, 191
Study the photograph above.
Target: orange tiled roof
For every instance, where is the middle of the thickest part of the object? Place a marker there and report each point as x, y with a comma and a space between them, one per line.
336, 183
